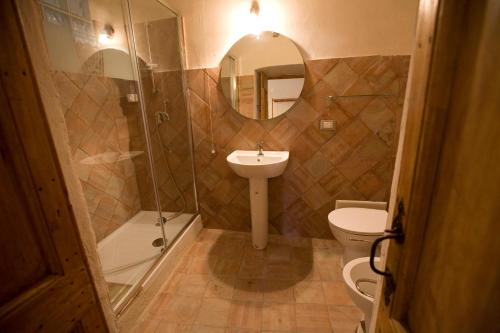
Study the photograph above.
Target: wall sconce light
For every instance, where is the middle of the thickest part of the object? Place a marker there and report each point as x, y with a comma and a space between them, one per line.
106, 34
255, 20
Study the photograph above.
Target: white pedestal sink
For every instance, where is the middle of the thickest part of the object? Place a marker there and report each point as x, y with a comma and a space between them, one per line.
258, 168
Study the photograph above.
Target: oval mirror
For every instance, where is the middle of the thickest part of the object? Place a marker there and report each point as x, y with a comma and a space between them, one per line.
262, 77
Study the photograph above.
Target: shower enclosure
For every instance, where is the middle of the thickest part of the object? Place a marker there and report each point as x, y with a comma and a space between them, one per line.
118, 69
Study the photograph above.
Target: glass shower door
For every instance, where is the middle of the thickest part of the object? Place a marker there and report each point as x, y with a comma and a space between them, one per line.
158, 62
93, 70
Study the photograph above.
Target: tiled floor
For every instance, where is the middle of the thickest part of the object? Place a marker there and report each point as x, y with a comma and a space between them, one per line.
223, 285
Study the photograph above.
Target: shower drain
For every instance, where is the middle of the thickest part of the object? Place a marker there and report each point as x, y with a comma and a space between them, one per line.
158, 242
163, 220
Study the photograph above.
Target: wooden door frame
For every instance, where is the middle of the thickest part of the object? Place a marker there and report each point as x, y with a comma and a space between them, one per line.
434, 60
48, 121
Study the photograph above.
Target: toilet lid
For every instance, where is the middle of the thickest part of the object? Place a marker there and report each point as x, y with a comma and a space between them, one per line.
363, 221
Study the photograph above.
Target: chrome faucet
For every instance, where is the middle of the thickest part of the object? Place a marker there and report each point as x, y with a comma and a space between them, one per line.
260, 147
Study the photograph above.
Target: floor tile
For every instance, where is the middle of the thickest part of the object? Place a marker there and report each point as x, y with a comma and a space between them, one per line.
173, 283
183, 265
193, 285
278, 317
213, 312
302, 254
280, 271
253, 268
202, 265
241, 330
177, 309
250, 253
277, 253
336, 293
200, 249
330, 270
309, 292
166, 327
222, 287
312, 317
146, 326
207, 329
300, 242
322, 254
306, 270
245, 314
249, 290
279, 291
344, 317
228, 266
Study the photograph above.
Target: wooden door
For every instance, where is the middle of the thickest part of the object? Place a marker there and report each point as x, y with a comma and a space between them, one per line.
264, 105
45, 284
447, 272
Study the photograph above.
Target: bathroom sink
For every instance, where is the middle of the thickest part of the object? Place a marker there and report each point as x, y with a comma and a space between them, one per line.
258, 168
246, 163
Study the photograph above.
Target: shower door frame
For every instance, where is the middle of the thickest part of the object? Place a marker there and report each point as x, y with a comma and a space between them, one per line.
131, 294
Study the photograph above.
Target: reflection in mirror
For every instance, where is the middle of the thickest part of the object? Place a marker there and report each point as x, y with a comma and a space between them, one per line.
110, 63
262, 77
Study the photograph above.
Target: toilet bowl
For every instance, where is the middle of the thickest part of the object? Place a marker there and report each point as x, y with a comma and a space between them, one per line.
356, 229
361, 284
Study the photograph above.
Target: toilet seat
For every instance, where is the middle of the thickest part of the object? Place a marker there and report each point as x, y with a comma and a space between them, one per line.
359, 221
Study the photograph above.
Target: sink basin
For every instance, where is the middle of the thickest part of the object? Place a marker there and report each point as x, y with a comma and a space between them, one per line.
246, 163
258, 168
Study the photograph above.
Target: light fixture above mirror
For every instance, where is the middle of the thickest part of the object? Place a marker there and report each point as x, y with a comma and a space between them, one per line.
262, 77
255, 19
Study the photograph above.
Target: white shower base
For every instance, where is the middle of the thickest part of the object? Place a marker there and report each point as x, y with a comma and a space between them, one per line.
127, 253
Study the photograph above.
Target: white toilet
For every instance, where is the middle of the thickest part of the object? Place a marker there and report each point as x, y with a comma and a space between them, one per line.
361, 284
356, 229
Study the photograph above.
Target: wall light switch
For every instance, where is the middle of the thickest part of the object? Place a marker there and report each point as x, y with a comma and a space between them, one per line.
327, 125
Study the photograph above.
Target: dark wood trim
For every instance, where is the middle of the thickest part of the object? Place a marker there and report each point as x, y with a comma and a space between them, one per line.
65, 295
442, 25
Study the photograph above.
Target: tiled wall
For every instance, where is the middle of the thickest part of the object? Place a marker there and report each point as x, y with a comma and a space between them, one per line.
99, 121
354, 162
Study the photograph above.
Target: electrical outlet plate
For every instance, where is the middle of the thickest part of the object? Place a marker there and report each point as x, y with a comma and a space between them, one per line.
327, 125
132, 98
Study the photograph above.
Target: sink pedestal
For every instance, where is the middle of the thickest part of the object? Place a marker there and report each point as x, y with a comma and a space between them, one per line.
258, 167
259, 212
